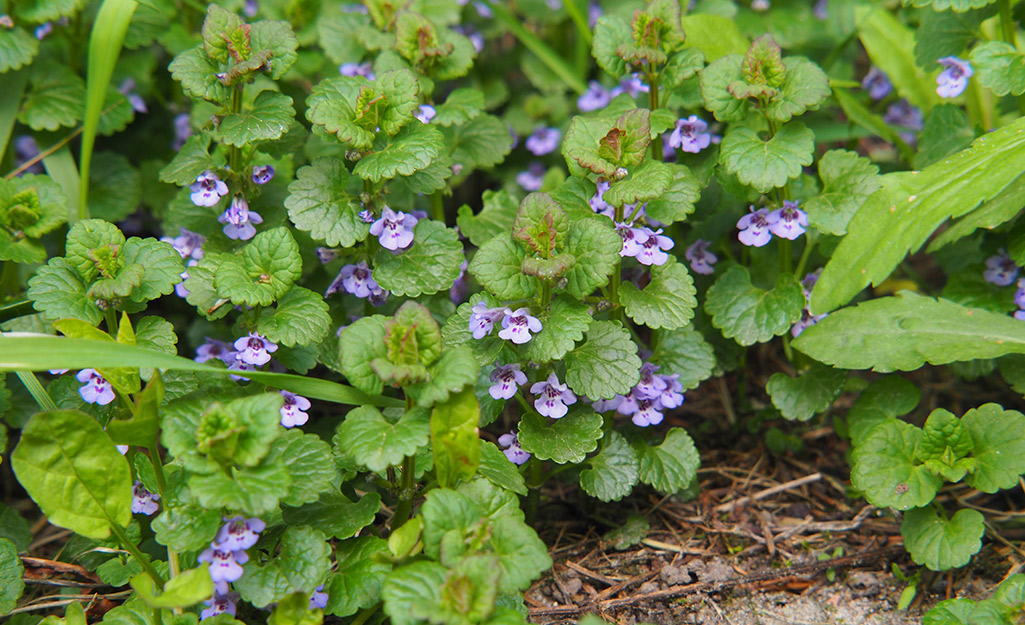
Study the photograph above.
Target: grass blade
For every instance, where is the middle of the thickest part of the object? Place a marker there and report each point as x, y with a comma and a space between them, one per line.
104, 47
60, 165
10, 98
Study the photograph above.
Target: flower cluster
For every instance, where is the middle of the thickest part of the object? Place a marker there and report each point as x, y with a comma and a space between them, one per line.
225, 557
246, 353
1001, 269
552, 397
807, 319
758, 226
647, 400
517, 325
597, 96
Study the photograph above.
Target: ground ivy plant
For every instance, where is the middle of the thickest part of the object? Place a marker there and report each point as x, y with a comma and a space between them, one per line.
302, 304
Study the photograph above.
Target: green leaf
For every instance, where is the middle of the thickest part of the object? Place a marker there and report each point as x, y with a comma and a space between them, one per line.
191, 161
685, 351
945, 443
766, 165
300, 318
17, 49
412, 593
300, 566
1000, 67
295, 609
496, 265
54, 98
495, 218
411, 150
750, 315
310, 463
11, 571
1004, 606
949, 612
941, 543
499, 471
903, 332
715, 82
678, 200
595, 245
335, 514
241, 431
320, 203
609, 33
459, 107
456, 369
847, 181
270, 117
15, 528
883, 467
568, 439
72, 470
429, 266
945, 33
606, 364
360, 576
672, 465
480, 144
561, 327
162, 267
276, 37
667, 302
805, 86
370, 440
454, 439
890, 45
197, 74
947, 130
998, 446
181, 591
264, 270
884, 399
645, 182
811, 392
612, 473
359, 344
185, 527
957, 5
41, 352
57, 291
115, 187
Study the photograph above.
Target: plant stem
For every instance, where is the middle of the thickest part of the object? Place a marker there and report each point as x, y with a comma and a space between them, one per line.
1007, 23
437, 207
656, 143
407, 490
534, 494
812, 238
110, 315
235, 153
139, 556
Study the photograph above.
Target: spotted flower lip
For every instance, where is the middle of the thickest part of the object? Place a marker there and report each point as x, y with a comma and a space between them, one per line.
483, 319
225, 566
543, 141
238, 220
96, 389
517, 326
653, 245
643, 411
394, 229
790, 222
632, 240
213, 348
552, 397
262, 174
700, 259
143, 501
254, 349
507, 380
220, 603
754, 227
1001, 269
238, 533
293, 411
953, 80
355, 279
513, 451
426, 113
690, 135
208, 189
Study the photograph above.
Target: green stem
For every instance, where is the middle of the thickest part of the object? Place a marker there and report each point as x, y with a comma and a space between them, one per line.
534, 494
8, 280
812, 237
617, 278
110, 315
139, 556
656, 143
1007, 24
235, 153
365, 615
407, 490
437, 207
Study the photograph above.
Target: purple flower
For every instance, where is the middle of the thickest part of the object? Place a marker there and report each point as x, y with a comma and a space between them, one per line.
643, 411
809, 282
250, 8
552, 397
690, 135
426, 114
953, 80
254, 349
652, 243
378, 297
1000, 269
459, 289
239, 220
700, 259
513, 451
821, 10
1019, 295
472, 34
127, 89
43, 30
225, 566
189, 244
262, 174
507, 379
482, 319
357, 69
632, 238
355, 279
326, 254
292, 412
220, 604
238, 533
58, 371
760, 5
594, 11
876, 83
182, 131
96, 389
596, 97
215, 349
754, 227
208, 189
632, 85
240, 365
604, 405
395, 230
544, 141
598, 203
532, 178
318, 600
1019, 315
650, 384
26, 149
901, 113
806, 321
790, 222
367, 216
672, 394
143, 501
517, 326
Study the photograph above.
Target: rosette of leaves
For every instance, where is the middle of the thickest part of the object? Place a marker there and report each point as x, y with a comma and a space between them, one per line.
405, 351
30, 206
645, 43
102, 270
231, 54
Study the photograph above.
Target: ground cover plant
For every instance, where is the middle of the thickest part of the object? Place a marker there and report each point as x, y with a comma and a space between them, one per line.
303, 302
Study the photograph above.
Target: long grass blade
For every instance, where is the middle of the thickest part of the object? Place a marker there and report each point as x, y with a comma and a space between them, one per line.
104, 47
61, 167
10, 98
